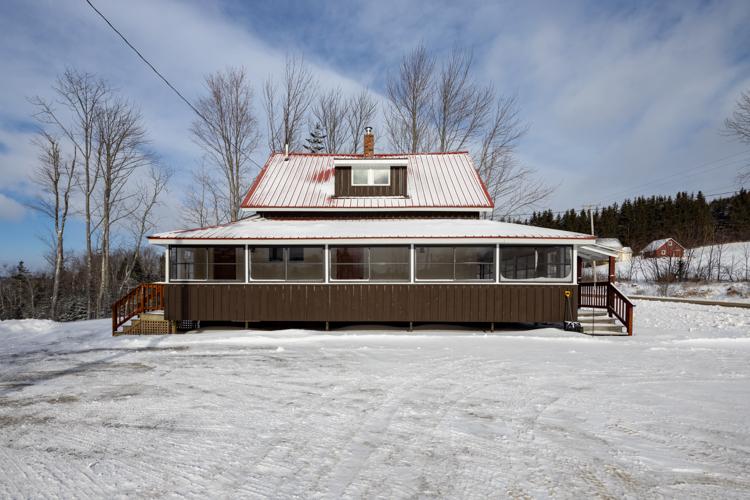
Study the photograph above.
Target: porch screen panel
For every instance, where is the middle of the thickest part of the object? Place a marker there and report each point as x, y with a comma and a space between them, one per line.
226, 263
376, 263
475, 263
305, 264
349, 263
536, 263
187, 263
267, 263
389, 263
203, 263
459, 263
434, 263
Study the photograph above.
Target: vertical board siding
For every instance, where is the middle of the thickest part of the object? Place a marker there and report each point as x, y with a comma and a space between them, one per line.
369, 302
343, 184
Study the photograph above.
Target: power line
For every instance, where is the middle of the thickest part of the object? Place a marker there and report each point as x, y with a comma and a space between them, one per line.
156, 71
127, 42
691, 172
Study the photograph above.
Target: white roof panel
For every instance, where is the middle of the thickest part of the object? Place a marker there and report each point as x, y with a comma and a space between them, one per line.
259, 228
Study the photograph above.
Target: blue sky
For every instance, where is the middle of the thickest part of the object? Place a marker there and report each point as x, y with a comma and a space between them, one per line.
621, 98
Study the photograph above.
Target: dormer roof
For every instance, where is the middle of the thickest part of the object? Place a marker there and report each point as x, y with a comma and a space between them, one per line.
305, 182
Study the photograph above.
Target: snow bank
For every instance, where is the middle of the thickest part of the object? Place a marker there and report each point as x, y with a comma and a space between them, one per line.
379, 412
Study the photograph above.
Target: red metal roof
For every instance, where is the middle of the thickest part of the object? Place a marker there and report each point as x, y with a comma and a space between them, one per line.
306, 181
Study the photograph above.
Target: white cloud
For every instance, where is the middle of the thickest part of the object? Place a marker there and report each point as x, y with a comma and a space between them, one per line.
10, 209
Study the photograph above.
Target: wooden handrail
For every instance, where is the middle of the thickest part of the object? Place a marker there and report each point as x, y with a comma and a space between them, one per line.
143, 298
607, 296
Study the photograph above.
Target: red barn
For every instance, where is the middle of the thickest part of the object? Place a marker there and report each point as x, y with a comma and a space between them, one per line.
667, 247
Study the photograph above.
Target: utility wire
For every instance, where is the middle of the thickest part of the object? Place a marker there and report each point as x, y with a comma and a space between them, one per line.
146, 61
156, 71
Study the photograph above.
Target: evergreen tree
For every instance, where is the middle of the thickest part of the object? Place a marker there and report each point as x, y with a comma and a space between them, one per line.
315, 142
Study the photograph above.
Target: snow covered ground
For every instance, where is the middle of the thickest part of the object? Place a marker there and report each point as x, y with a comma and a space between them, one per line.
370, 413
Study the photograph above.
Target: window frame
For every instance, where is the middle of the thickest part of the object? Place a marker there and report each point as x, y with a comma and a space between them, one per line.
285, 262
371, 176
174, 263
494, 264
331, 264
569, 279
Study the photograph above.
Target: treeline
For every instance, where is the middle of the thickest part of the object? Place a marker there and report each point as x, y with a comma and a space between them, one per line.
687, 217
27, 294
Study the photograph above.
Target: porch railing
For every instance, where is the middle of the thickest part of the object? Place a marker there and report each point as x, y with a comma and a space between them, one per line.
607, 296
143, 298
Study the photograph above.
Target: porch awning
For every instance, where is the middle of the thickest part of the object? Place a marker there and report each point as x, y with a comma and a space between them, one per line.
596, 252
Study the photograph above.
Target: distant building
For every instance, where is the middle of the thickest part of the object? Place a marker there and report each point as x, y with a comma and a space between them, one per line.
666, 247
624, 254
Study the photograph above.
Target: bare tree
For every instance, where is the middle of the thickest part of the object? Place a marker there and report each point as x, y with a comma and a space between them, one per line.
330, 111
360, 113
142, 216
461, 108
410, 96
82, 95
738, 125
511, 185
120, 151
55, 177
286, 110
204, 205
229, 133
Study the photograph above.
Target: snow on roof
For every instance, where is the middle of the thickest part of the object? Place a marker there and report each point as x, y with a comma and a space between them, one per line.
609, 242
654, 245
260, 228
306, 181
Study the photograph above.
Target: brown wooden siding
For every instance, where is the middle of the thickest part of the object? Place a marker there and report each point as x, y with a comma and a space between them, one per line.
343, 184
369, 302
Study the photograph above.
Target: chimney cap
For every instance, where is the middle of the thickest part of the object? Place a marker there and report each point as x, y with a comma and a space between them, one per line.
368, 130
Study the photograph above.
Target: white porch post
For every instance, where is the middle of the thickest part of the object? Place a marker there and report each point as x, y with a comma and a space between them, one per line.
575, 264
497, 263
166, 265
247, 264
326, 259
412, 263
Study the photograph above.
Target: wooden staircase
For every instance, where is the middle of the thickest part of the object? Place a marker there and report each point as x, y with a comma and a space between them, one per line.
143, 306
601, 306
599, 322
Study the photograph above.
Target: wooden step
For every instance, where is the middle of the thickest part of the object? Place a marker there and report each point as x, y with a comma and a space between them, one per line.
601, 328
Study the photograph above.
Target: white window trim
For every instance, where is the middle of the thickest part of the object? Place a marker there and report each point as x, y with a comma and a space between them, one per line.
285, 260
571, 278
331, 279
496, 268
371, 176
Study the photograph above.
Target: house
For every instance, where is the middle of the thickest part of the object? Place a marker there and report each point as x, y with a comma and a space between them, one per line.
666, 247
624, 254
366, 238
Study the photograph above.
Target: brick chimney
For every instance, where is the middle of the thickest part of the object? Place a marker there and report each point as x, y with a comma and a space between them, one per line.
369, 144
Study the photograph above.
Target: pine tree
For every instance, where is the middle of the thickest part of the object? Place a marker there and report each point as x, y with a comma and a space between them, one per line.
315, 141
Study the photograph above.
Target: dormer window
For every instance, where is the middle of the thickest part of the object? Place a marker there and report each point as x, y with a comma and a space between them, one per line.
363, 177
371, 176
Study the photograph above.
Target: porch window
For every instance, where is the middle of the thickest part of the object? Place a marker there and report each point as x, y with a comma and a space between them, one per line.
540, 263
287, 263
371, 176
221, 263
377, 263
459, 263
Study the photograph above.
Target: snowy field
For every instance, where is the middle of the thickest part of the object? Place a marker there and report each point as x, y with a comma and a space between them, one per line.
380, 414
